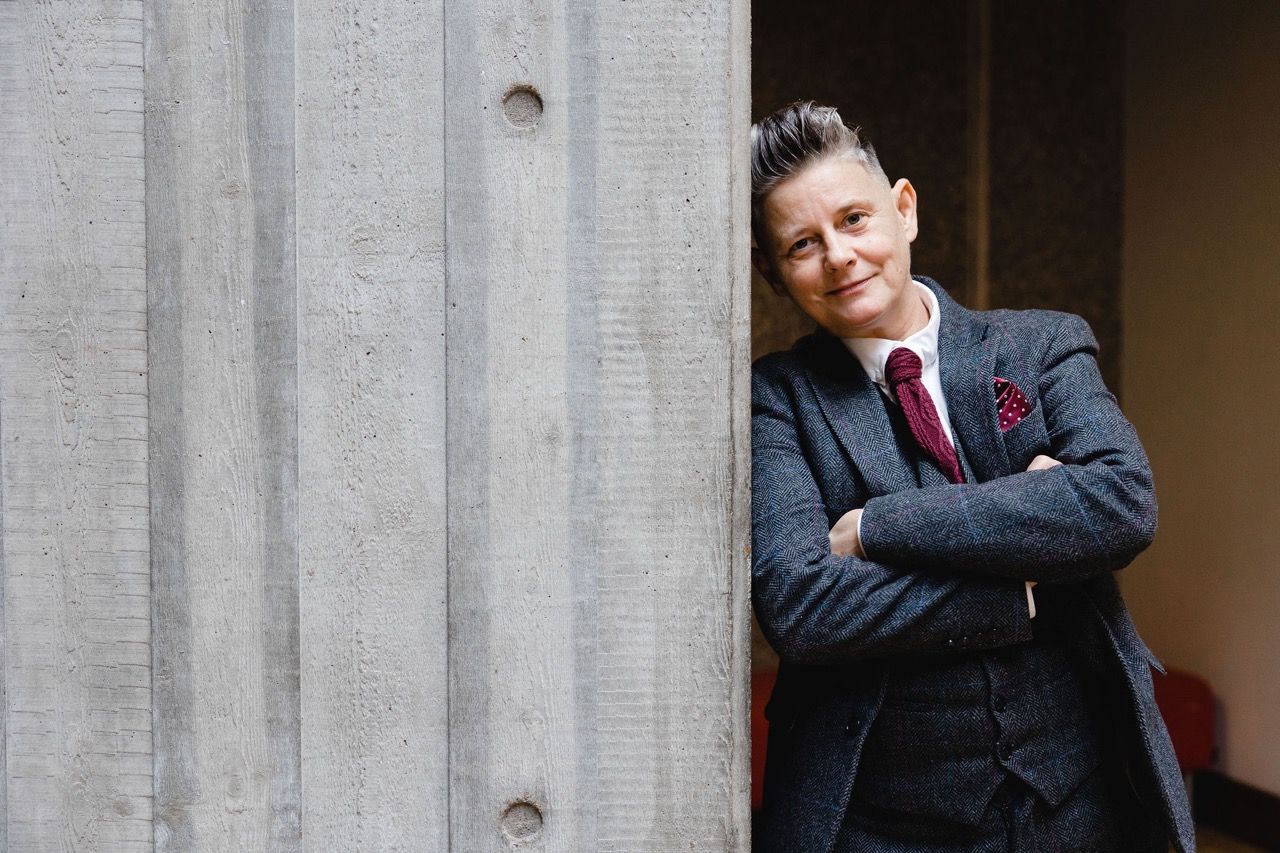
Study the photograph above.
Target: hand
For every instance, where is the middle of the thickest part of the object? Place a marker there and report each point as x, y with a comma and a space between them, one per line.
844, 536
1042, 463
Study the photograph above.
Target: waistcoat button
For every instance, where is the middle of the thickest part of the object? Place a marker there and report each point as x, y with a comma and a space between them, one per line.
851, 727
1000, 703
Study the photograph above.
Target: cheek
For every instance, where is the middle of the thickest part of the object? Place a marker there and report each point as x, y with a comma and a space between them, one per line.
883, 250
900, 249
802, 277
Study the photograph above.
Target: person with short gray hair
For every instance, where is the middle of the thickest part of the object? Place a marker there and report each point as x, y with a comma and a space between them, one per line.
940, 500
795, 136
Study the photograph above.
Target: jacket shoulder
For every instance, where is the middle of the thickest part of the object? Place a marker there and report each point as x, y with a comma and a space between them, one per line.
786, 365
1039, 329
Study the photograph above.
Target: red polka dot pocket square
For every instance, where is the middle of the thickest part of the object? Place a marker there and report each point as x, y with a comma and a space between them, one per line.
1011, 403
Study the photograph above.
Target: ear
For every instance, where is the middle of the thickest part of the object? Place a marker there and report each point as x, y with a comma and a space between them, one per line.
904, 201
760, 259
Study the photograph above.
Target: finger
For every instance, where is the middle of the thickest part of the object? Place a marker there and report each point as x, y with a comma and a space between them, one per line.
1042, 462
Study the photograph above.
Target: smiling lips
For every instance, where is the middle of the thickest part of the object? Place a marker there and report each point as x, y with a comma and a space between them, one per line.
846, 289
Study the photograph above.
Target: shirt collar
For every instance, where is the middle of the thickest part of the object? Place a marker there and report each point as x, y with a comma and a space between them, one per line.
872, 352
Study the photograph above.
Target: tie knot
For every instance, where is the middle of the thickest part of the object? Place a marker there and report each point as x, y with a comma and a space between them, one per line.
902, 365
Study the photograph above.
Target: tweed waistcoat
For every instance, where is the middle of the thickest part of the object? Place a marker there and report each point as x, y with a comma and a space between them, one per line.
952, 727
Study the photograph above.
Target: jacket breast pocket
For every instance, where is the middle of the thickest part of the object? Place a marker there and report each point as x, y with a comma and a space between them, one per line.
1026, 439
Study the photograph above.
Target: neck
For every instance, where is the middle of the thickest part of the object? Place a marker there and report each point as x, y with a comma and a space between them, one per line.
915, 318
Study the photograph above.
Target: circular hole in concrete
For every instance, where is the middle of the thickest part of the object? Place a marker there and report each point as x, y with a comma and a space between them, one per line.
522, 105
521, 821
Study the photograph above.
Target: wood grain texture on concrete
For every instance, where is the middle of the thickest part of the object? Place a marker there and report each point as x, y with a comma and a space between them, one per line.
223, 436
371, 393
73, 426
315, 535
597, 419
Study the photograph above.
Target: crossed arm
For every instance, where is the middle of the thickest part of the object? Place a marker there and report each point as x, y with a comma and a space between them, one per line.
846, 538
947, 563
816, 606
1090, 515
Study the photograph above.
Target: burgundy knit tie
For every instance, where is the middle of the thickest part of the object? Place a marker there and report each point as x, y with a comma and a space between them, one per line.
903, 370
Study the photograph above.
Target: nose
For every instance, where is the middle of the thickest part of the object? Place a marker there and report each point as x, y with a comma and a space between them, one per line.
841, 250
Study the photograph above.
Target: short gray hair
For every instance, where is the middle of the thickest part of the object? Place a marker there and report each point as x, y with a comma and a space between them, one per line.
791, 138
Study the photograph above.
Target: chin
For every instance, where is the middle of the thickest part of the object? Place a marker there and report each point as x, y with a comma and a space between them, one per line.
846, 329
860, 324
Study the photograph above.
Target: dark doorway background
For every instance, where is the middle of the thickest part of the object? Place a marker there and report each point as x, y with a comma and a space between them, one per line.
1006, 117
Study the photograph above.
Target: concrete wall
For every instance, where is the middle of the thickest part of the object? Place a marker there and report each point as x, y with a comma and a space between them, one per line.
373, 426
76, 722
1201, 299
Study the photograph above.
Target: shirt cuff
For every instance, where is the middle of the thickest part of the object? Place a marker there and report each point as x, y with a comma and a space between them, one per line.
1031, 599
860, 545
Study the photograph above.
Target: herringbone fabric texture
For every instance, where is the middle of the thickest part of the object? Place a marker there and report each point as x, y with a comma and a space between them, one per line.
946, 561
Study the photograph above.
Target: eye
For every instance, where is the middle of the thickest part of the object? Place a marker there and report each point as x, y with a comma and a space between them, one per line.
853, 218
799, 245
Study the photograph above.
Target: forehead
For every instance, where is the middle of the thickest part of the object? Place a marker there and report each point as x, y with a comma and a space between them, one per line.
819, 190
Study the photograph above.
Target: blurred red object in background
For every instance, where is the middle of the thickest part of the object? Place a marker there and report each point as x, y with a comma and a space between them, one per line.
761, 688
1186, 703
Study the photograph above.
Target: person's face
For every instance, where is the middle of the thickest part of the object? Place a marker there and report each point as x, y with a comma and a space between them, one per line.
839, 243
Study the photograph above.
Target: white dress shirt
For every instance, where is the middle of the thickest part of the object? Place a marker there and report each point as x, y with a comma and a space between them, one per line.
872, 353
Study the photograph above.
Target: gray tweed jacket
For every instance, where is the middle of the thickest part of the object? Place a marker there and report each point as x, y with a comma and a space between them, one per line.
946, 563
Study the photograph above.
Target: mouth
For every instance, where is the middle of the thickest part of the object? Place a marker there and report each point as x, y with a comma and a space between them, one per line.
846, 289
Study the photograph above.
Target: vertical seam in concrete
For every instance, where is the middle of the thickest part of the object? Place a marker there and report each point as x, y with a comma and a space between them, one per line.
739, 56
448, 388
146, 407
270, 41
740, 401
297, 445
979, 110
173, 764
4, 664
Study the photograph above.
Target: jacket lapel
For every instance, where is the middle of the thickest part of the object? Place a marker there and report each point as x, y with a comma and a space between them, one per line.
967, 360
855, 411
853, 408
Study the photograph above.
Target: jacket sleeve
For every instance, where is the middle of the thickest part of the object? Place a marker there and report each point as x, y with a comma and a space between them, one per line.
1092, 514
816, 607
